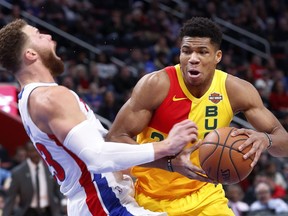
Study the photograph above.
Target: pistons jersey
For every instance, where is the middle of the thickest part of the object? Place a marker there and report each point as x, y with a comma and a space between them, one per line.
87, 193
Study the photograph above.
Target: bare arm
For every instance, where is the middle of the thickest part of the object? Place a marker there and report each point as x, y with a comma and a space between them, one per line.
249, 102
137, 112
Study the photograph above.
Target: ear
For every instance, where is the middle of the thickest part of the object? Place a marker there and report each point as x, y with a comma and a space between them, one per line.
218, 56
30, 55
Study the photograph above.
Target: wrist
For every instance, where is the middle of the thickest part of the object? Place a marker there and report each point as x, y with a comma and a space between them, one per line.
161, 150
169, 164
269, 140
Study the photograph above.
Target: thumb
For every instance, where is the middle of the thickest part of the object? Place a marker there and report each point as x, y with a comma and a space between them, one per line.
194, 146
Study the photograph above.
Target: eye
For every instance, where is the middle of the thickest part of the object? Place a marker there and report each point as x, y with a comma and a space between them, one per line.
185, 51
203, 51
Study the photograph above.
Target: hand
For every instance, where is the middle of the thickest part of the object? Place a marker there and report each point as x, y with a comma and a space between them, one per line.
183, 165
180, 135
258, 140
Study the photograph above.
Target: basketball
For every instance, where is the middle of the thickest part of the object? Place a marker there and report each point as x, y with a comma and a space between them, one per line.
220, 158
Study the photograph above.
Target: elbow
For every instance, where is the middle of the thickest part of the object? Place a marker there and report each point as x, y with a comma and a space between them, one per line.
95, 162
99, 168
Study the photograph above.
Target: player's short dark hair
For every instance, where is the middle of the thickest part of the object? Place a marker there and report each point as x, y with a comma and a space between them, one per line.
12, 40
202, 27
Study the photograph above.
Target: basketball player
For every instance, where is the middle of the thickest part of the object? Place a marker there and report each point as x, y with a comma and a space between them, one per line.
193, 90
66, 133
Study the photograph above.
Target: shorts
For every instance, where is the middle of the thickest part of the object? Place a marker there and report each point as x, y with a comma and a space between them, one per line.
112, 195
209, 200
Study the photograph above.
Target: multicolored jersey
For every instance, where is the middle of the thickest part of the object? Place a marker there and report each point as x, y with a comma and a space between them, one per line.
211, 111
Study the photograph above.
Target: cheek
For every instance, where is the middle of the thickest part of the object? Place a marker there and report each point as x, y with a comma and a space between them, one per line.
183, 59
209, 62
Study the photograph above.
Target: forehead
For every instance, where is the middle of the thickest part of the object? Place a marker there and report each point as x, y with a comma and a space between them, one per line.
29, 30
196, 41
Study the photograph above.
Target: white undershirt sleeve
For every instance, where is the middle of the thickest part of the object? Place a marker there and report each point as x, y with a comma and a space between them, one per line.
87, 143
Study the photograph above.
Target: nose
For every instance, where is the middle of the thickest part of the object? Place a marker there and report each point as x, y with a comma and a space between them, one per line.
194, 58
49, 37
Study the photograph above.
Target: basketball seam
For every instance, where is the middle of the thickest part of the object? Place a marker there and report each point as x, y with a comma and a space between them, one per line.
219, 144
231, 158
212, 152
220, 156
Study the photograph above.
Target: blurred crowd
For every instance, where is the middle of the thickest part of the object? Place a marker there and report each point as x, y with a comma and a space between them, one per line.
143, 36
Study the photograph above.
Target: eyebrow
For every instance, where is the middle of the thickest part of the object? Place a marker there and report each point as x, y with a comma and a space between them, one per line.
36, 30
197, 47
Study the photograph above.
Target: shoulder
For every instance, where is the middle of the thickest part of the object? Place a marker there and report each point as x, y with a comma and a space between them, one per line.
50, 93
151, 89
242, 94
157, 78
50, 98
19, 169
48, 103
234, 83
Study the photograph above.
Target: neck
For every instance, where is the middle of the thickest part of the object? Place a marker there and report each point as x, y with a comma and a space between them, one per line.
26, 76
199, 90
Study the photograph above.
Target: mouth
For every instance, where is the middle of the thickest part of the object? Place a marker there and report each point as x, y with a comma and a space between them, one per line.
55, 44
193, 73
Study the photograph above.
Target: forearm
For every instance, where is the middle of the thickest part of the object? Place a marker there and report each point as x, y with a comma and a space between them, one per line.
160, 163
116, 156
87, 143
122, 138
279, 147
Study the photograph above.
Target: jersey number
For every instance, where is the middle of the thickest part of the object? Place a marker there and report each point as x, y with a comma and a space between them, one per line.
156, 135
58, 169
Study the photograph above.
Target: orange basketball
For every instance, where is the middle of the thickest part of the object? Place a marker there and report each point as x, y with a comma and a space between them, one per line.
220, 158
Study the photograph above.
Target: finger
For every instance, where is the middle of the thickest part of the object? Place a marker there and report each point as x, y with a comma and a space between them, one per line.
184, 130
251, 152
194, 147
256, 158
241, 131
192, 138
201, 177
198, 170
190, 130
194, 169
187, 123
197, 145
245, 144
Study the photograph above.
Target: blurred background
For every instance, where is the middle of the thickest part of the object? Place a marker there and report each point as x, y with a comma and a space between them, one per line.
107, 46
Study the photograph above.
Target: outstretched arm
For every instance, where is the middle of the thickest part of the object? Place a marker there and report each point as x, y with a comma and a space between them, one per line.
58, 112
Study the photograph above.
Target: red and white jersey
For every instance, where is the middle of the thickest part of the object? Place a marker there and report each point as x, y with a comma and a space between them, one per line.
68, 169
88, 194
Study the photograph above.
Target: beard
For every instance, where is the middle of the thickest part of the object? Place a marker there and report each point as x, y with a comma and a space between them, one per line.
50, 61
